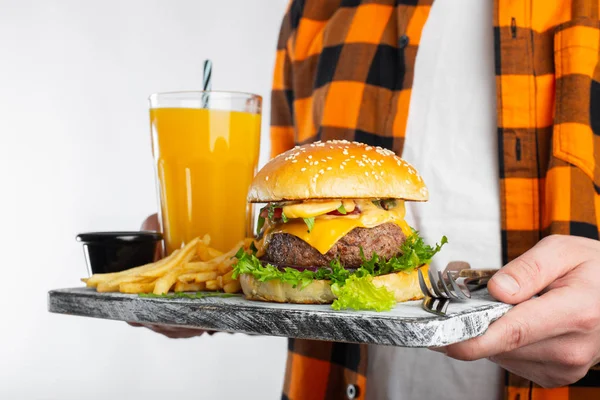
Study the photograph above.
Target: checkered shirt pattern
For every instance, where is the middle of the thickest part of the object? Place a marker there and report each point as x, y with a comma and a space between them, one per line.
344, 70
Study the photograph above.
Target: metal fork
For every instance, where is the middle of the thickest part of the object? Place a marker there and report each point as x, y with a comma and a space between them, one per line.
455, 283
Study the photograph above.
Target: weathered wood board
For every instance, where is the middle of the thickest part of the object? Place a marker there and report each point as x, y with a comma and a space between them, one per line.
406, 325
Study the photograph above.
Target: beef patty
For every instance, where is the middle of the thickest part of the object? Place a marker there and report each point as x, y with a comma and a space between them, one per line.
288, 250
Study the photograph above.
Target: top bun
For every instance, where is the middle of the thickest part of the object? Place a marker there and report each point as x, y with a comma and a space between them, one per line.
337, 169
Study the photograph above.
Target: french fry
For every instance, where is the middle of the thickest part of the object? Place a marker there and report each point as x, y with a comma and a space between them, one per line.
164, 283
232, 287
174, 261
225, 267
214, 253
200, 266
202, 251
212, 285
114, 285
137, 287
187, 278
205, 276
95, 279
228, 277
189, 287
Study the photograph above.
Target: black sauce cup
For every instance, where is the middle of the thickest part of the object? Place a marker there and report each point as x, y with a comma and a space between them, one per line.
117, 251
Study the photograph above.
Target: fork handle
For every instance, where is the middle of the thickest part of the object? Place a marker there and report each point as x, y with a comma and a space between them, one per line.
477, 273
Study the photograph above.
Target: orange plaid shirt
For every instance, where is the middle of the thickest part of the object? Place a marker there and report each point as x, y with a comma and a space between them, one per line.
344, 70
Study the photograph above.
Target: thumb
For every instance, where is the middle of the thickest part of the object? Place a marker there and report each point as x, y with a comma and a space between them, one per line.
532, 272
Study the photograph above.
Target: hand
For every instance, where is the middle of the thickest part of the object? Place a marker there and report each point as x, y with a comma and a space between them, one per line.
173, 332
553, 339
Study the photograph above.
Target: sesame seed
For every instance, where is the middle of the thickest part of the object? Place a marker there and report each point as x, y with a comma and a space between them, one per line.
309, 156
294, 161
382, 173
303, 169
321, 171
341, 167
366, 173
329, 158
267, 178
368, 148
329, 168
323, 160
316, 163
376, 178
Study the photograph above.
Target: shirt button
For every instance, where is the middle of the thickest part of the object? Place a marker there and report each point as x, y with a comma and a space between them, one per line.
351, 391
403, 41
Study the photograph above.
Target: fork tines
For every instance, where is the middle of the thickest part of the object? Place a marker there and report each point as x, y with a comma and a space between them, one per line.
441, 288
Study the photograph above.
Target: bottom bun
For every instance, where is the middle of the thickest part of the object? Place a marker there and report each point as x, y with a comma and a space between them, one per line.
405, 286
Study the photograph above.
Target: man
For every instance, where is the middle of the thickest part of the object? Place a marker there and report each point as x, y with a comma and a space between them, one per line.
508, 89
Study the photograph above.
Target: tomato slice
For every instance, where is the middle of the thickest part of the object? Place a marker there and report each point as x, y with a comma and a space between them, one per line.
276, 212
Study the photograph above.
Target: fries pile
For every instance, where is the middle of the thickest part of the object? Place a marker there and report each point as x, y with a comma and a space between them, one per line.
195, 267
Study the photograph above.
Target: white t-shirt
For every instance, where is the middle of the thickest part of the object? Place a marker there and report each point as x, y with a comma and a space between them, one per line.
451, 140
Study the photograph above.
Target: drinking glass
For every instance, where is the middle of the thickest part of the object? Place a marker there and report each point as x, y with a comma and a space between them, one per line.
206, 148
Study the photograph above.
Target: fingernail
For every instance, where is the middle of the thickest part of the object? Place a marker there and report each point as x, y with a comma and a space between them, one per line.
442, 350
506, 283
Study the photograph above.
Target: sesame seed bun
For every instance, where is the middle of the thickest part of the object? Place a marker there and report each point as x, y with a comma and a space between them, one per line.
337, 169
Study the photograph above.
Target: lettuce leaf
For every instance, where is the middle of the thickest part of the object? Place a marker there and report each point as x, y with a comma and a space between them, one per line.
250, 264
413, 253
310, 223
361, 294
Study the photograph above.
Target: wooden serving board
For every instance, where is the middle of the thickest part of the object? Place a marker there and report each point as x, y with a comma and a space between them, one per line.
407, 325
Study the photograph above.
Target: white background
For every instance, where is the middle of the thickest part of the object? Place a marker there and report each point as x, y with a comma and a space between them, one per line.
75, 156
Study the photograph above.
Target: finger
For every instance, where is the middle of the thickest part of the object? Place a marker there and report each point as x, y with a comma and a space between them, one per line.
176, 333
550, 363
151, 223
569, 351
532, 321
547, 261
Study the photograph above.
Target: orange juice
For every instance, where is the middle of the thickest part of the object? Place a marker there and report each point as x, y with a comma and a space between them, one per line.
205, 161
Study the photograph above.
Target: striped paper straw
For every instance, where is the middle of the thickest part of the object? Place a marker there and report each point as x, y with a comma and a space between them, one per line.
206, 82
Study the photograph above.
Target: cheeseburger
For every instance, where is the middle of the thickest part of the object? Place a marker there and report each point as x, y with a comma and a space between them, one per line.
333, 228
